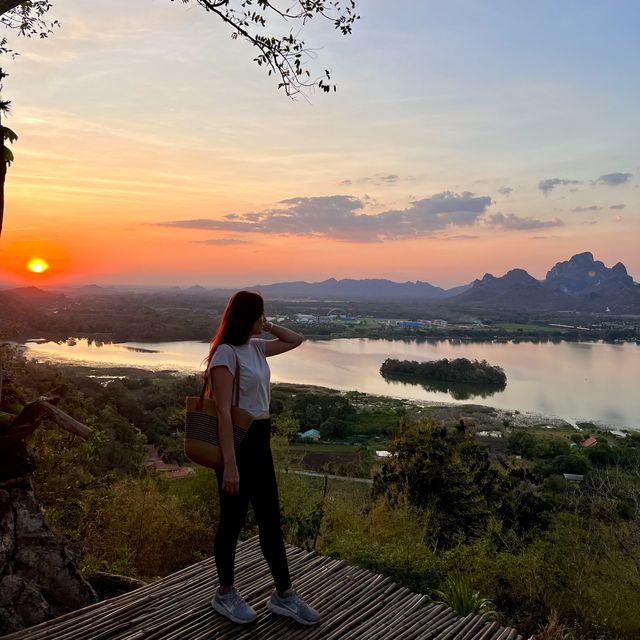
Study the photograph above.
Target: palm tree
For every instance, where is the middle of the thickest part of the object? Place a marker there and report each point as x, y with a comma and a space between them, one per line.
7, 159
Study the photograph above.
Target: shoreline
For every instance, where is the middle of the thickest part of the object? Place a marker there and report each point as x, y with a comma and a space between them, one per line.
485, 417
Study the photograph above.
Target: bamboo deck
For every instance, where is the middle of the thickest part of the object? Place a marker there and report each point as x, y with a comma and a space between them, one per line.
354, 603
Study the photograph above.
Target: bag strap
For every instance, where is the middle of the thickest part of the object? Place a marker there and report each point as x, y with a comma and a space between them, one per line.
208, 380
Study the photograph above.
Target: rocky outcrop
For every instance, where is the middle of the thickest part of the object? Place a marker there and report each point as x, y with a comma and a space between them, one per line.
38, 578
515, 290
581, 275
578, 284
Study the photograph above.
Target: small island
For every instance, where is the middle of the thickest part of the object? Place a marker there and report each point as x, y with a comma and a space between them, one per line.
458, 370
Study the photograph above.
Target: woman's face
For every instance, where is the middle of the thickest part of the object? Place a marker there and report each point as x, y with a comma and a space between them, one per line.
256, 329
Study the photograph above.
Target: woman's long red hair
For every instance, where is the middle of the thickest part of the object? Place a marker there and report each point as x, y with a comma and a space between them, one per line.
239, 316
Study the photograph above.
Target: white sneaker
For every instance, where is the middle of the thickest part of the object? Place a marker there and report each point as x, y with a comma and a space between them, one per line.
233, 606
293, 606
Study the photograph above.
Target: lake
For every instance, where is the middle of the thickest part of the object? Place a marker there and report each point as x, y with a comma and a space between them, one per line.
589, 381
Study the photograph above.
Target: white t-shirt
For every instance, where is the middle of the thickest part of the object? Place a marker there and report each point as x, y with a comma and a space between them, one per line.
255, 374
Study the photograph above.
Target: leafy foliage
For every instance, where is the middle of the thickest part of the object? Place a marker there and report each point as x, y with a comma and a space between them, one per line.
27, 18
460, 596
284, 55
449, 477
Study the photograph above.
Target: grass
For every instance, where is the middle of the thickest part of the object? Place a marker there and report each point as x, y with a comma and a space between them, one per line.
321, 447
539, 328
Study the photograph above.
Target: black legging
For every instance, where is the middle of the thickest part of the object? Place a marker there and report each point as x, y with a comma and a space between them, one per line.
258, 485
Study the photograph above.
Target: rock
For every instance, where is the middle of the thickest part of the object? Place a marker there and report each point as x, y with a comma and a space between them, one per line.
21, 605
38, 578
7, 533
42, 560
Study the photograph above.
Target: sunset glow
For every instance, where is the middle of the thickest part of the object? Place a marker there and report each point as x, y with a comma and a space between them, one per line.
451, 154
37, 265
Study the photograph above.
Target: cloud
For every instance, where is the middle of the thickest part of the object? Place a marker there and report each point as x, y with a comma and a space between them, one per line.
543, 237
221, 241
505, 191
618, 206
461, 237
593, 207
378, 180
340, 217
548, 185
514, 222
613, 179
619, 218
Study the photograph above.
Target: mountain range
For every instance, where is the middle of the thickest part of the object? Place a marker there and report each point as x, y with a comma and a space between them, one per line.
578, 284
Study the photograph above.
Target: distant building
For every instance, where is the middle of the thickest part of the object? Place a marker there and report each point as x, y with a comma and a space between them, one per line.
589, 442
170, 471
306, 318
311, 434
439, 323
573, 477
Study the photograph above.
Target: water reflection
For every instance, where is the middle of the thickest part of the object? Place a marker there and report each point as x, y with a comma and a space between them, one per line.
596, 382
457, 390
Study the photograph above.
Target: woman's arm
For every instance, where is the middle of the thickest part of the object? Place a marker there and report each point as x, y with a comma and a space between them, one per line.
223, 385
286, 339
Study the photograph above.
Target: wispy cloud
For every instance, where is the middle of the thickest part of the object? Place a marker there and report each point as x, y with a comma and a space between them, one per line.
461, 237
613, 179
378, 180
514, 222
340, 217
619, 207
593, 207
548, 185
221, 241
505, 191
543, 237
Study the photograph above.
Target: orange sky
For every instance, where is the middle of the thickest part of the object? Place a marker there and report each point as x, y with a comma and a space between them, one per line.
133, 118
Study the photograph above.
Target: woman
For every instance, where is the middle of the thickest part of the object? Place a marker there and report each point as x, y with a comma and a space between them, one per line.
248, 474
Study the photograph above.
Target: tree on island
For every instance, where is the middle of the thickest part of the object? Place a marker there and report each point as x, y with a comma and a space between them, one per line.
461, 370
280, 49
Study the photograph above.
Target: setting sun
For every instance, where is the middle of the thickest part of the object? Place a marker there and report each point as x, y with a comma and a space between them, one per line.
37, 265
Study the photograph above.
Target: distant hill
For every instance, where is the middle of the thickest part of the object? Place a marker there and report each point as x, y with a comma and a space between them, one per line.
578, 284
32, 295
355, 289
515, 290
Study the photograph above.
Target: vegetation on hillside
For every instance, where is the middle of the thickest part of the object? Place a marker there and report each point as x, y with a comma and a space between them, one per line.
495, 528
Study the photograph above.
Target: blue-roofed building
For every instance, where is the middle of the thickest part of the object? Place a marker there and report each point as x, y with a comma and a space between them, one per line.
311, 434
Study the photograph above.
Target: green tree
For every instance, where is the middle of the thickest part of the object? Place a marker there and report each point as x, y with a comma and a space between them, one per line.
441, 472
335, 428
448, 476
